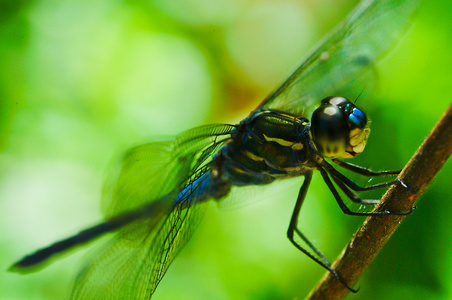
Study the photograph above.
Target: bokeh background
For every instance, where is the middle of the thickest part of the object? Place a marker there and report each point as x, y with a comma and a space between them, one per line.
81, 81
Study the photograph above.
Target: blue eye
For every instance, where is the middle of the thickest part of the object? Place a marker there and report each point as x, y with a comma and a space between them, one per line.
357, 118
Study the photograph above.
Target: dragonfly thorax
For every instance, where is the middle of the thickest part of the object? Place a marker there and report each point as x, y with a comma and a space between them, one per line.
339, 128
267, 145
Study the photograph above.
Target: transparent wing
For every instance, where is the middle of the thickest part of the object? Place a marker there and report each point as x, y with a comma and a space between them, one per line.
346, 55
150, 171
133, 262
172, 237
121, 268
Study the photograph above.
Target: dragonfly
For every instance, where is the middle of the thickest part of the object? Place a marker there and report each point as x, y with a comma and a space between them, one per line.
156, 196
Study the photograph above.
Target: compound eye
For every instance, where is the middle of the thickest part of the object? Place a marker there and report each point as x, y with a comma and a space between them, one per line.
357, 118
329, 131
335, 100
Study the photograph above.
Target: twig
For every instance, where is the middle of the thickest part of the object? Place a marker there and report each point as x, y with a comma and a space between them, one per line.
376, 230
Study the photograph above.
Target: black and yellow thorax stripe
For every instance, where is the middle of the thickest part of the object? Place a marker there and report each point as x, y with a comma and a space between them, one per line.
266, 145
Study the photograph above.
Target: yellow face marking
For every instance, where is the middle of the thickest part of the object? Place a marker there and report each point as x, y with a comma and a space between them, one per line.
279, 141
359, 148
359, 141
356, 137
355, 132
356, 141
253, 156
347, 155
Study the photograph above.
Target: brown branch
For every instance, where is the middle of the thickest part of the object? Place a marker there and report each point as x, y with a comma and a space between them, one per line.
376, 230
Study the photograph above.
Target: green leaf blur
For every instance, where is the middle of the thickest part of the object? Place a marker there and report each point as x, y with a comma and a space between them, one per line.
82, 81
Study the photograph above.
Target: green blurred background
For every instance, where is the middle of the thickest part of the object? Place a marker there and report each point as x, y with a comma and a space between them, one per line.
81, 81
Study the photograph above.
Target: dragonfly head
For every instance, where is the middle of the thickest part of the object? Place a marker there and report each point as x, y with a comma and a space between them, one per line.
339, 128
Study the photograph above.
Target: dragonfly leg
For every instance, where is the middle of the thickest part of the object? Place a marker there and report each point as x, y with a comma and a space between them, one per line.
318, 257
354, 198
352, 195
367, 172
364, 171
329, 168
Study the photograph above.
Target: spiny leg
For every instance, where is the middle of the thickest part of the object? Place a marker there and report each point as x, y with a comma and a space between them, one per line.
329, 168
294, 220
321, 260
364, 171
355, 198
343, 206
352, 195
